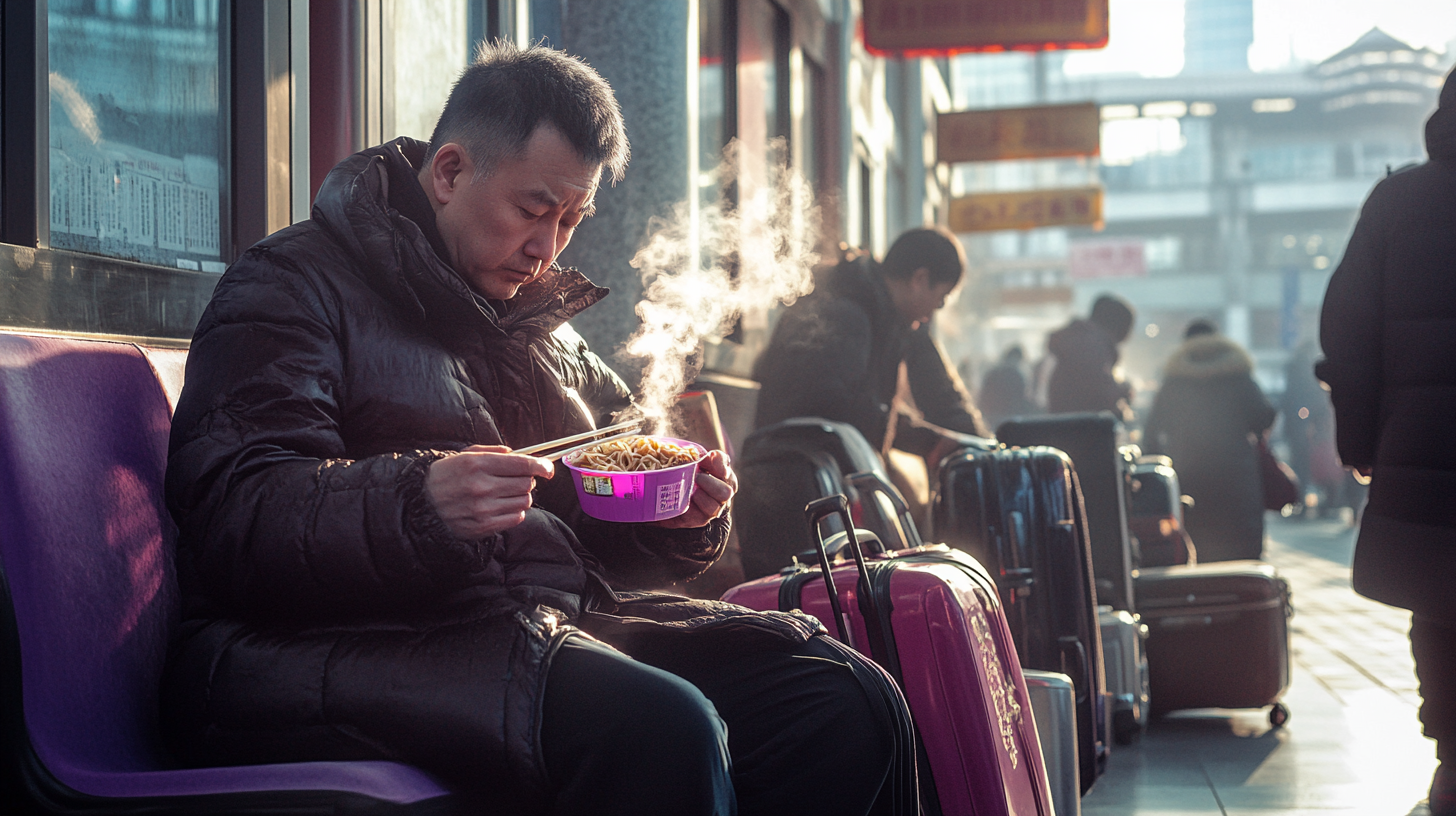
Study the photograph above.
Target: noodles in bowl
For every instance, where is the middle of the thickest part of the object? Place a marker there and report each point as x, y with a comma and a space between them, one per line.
635, 454
637, 479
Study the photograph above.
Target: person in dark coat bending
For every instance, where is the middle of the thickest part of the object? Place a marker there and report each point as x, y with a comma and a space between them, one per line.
369, 571
837, 354
1207, 416
1084, 355
1388, 329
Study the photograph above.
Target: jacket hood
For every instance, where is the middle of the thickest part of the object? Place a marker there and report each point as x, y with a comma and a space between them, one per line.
395, 257
1208, 356
859, 280
1441, 127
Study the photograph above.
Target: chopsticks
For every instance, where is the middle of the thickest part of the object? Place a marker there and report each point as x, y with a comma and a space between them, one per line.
571, 444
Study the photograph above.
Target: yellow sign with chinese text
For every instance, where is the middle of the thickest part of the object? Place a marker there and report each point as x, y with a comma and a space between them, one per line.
986, 212
1044, 132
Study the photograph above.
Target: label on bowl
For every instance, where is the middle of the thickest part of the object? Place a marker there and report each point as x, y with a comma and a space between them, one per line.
668, 496
623, 485
597, 485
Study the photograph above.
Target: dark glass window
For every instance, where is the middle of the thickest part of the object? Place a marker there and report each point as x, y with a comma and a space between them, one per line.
137, 130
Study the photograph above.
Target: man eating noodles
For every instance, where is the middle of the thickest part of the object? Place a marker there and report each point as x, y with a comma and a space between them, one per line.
370, 572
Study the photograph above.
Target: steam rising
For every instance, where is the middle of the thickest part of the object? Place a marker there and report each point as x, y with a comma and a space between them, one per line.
700, 274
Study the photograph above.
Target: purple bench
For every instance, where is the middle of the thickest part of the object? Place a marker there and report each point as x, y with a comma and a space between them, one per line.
89, 598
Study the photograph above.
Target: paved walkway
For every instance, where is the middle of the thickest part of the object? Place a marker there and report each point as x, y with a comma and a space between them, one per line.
1352, 745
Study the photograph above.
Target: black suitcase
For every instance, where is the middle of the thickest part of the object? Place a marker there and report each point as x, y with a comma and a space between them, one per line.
1218, 636
1019, 513
1092, 441
784, 466
1155, 515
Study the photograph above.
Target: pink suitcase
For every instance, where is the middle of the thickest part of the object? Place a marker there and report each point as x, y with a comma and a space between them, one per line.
931, 616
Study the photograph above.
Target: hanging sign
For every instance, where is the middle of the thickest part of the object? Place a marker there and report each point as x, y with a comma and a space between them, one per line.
919, 28
1098, 260
1044, 132
986, 212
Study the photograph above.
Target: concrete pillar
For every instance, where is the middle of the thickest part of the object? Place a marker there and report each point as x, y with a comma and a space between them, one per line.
647, 50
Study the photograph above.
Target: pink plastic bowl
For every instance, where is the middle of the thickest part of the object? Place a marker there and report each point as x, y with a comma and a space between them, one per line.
649, 495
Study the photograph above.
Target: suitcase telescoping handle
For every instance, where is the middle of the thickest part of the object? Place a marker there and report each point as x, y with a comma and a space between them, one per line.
868, 481
815, 512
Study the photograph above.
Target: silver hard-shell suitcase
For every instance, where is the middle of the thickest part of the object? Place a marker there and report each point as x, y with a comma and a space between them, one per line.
1053, 707
1124, 658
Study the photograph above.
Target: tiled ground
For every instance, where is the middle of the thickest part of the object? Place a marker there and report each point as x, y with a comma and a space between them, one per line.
1353, 744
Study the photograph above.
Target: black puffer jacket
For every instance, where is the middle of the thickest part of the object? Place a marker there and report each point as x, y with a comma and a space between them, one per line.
1205, 417
837, 353
329, 611
1388, 330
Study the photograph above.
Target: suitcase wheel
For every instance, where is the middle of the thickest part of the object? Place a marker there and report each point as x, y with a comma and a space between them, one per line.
1278, 715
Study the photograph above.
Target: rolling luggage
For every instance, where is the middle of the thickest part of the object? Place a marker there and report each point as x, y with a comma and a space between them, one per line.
1124, 655
1092, 442
1019, 513
1218, 636
1155, 515
1053, 704
785, 466
931, 617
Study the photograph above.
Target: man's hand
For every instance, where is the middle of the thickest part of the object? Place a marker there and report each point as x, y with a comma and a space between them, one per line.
484, 489
715, 487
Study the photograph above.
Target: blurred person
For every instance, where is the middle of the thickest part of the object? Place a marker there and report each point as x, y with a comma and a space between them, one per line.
1300, 407
1083, 359
1206, 417
1388, 328
1004, 393
838, 353
370, 572
1309, 431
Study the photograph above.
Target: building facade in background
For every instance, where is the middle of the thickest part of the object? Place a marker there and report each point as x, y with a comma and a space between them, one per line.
1229, 195
1216, 36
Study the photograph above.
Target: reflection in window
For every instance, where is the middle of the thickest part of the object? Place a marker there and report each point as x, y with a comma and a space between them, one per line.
430, 47
712, 133
135, 141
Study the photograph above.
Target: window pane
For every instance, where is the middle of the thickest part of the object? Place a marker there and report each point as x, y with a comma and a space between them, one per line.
135, 142
430, 48
712, 135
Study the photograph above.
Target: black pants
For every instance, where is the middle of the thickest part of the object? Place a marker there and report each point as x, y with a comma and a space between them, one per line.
778, 731
1434, 646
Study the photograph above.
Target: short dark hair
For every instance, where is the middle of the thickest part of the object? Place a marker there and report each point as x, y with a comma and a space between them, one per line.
1113, 314
1199, 327
934, 248
508, 92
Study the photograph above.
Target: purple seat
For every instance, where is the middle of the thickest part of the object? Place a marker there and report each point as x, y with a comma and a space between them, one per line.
89, 598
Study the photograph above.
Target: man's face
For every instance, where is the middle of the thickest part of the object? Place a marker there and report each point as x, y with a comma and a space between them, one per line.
504, 230
921, 298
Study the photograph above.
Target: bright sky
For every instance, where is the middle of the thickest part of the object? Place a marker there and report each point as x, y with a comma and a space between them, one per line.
1147, 35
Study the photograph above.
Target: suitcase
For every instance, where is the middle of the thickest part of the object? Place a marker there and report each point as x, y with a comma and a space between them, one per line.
1019, 513
931, 617
785, 466
1124, 655
1092, 441
1053, 704
1218, 636
1155, 514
